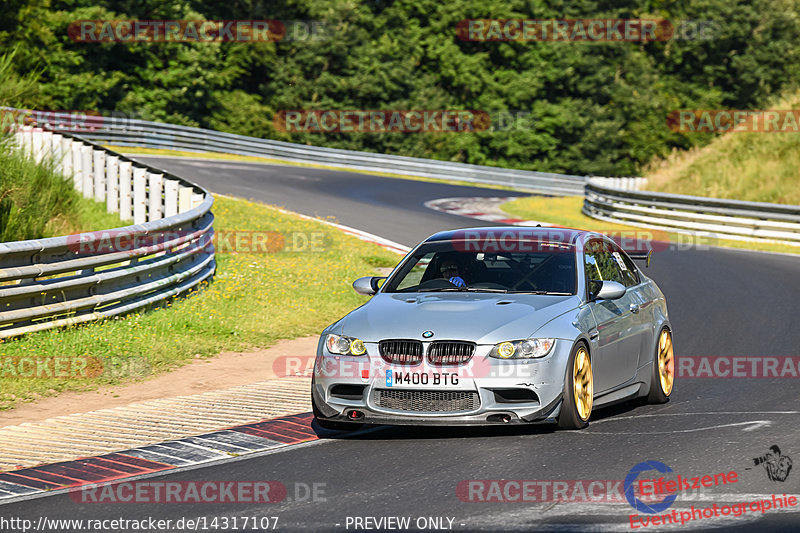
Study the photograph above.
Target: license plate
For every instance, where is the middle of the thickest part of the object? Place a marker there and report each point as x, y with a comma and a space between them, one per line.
435, 379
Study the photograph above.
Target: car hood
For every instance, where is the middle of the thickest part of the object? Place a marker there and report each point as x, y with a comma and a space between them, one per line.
484, 318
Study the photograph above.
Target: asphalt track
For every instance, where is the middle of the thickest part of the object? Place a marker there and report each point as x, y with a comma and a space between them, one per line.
721, 302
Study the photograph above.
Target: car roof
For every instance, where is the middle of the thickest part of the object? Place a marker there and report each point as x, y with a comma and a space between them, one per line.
523, 233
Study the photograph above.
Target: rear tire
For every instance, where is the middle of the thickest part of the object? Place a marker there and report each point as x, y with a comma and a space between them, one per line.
576, 408
662, 378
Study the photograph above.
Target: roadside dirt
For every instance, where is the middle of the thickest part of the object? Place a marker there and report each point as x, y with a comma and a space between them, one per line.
228, 369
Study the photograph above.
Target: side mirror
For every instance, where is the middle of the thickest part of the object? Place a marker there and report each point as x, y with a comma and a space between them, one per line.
611, 290
367, 285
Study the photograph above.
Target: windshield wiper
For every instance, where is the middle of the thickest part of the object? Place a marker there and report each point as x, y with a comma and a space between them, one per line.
485, 289
472, 289
462, 289
552, 293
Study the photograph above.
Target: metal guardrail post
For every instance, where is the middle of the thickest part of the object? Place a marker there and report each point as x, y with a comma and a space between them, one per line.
112, 175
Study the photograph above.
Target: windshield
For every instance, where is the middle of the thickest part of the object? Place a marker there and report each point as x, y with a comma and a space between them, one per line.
439, 267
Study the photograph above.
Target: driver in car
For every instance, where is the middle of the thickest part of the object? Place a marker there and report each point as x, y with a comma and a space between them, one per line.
450, 272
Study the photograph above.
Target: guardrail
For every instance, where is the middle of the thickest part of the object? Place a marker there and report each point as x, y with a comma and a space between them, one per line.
718, 218
59, 281
611, 199
143, 133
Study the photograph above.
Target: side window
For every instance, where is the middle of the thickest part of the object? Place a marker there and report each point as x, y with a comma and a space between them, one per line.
628, 270
414, 276
600, 264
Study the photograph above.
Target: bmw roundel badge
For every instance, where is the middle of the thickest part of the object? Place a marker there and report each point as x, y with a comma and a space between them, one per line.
427, 334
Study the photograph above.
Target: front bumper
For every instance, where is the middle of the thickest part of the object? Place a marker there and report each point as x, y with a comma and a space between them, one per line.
481, 379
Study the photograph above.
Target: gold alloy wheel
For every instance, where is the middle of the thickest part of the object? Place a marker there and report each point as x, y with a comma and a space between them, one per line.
666, 362
583, 384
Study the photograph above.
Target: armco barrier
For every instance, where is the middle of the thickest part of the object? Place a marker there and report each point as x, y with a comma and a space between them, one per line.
134, 132
611, 199
52, 282
725, 219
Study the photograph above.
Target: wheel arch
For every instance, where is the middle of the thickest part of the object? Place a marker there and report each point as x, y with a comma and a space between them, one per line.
580, 339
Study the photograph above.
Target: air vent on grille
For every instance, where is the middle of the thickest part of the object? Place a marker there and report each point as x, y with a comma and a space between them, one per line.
401, 352
427, 401
450, 352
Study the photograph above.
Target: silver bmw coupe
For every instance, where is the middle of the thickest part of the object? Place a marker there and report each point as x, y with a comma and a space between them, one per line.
497, 325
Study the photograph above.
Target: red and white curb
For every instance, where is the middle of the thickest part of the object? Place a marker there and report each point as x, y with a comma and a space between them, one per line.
171, 455
481, 208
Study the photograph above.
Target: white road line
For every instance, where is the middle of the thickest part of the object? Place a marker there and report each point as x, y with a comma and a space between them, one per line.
750, 426
396, 247
707, 413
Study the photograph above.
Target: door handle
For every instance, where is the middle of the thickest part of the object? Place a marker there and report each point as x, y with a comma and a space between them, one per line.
593, 335
634, 308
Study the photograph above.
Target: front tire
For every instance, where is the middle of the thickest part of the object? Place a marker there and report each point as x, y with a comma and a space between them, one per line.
577, 405
662, 378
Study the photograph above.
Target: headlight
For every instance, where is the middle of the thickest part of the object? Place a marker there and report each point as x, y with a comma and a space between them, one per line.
341, 345
523, 349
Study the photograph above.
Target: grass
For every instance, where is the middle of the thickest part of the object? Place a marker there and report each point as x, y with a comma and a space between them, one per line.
759, 167
566, 212
35, 202
266, 160
255, 300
